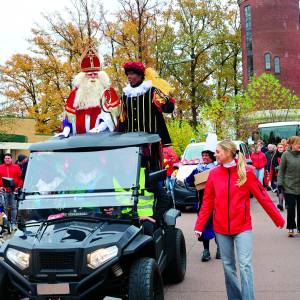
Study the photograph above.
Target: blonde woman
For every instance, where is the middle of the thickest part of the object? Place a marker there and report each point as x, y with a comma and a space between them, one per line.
289, 180
227, 196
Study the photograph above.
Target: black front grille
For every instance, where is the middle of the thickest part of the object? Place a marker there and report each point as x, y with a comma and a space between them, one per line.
57, 260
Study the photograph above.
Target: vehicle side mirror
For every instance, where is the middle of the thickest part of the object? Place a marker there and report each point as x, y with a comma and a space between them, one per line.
170, 216
155, 177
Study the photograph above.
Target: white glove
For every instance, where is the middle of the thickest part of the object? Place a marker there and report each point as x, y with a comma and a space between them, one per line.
100, 128
65, 133
106, 123
107, 118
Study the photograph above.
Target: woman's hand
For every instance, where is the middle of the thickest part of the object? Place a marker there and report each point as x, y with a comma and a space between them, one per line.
198, 233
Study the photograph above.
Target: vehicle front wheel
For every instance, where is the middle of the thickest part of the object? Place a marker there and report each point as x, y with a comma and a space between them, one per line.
7, 291
175, 271
145, 281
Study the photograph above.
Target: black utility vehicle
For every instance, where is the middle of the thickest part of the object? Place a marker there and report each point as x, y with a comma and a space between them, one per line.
79, 233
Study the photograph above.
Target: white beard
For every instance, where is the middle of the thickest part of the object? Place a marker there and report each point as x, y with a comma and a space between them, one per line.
90, 91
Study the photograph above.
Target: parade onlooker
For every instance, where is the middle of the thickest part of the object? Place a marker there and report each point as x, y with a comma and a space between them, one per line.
284, 143
269, 154
227, 195
10, 170
173, 177
259, 162
208, 162
275, 162
170, 158
289, 180
22, 161
262, 145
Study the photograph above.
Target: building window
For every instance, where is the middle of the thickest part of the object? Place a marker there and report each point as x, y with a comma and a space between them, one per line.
277, 65
248, 26
267, 61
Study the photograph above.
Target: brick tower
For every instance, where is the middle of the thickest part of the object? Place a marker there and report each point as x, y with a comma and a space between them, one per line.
271, 40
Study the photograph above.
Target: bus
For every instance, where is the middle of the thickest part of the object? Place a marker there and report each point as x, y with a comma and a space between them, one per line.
273, 133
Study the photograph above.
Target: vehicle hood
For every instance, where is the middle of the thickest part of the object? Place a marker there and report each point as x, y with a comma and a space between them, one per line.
73, 234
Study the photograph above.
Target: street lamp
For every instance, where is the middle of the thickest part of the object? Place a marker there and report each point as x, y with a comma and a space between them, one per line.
172, 63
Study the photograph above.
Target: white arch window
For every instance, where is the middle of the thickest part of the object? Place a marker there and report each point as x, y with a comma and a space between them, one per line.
268, 61
277, 67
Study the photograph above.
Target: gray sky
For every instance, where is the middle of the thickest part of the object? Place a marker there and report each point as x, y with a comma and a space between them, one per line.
17, 17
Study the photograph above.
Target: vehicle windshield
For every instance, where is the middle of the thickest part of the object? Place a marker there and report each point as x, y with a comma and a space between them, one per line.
91, 171
277, 133
193, 152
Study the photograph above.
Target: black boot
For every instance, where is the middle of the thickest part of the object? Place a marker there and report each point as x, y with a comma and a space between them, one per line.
205, 255
279, 206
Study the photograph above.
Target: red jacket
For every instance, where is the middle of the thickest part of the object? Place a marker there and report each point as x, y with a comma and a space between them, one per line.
11, 171
259, 160
230, 204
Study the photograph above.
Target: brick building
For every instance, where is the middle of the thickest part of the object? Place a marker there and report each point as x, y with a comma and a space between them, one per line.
271, 40
17, 134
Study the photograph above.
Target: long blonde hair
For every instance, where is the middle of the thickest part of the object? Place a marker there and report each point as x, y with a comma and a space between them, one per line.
228, 145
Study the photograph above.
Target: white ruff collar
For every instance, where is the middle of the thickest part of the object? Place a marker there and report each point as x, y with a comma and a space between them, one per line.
130, 91
230, 164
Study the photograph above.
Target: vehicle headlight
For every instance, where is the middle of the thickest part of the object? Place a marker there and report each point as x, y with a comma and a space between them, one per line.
100, 256
18, 258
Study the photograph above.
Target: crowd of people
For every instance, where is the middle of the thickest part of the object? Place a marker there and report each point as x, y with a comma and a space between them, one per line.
278, 169
224, 204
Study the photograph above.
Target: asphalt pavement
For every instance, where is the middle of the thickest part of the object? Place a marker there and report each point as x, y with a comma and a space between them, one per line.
276, 263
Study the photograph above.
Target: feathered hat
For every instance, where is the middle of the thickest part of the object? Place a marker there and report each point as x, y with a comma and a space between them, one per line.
134, 66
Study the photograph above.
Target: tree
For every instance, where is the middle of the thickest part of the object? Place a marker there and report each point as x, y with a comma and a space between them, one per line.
202, 28
270, 99
181, 134
223, 112
138, 33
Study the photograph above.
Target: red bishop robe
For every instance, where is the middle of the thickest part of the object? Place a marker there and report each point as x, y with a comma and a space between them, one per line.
82, 120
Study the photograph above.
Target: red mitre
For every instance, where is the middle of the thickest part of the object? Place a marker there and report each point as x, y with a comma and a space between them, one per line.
134, 66
90, 61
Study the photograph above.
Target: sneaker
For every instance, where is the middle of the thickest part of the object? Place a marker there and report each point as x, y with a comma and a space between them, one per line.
14, 227
291, 233
218, 254
205, 255
279, 206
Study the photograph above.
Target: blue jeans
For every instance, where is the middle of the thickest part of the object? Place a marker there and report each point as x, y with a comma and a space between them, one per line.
10, 200
242, 242
260, 174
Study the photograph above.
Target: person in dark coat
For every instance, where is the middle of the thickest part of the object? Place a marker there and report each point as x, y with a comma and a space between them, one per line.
274, 168
289, 180
22, 161
143, 104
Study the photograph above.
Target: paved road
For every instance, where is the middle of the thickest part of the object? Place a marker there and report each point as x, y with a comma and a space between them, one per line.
276, 264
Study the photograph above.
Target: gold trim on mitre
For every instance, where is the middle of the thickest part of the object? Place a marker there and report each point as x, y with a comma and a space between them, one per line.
90, 52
